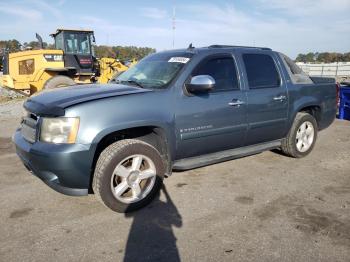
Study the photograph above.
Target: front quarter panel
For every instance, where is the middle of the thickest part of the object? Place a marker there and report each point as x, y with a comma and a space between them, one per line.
99, 118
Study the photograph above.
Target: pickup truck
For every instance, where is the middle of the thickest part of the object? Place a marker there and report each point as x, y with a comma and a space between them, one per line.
174, 110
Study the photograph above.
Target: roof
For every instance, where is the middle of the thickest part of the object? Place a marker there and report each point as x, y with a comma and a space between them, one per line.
205, 49
238, 46
71, 30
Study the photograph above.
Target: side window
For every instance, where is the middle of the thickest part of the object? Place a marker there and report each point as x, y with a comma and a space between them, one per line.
295, 72
222, 69
26, 67
261, 71
59, 41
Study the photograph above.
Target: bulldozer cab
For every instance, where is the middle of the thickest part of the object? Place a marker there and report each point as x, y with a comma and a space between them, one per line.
77, 49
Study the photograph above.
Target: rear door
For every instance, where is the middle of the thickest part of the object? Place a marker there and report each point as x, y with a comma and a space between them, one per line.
267, 97
216, 120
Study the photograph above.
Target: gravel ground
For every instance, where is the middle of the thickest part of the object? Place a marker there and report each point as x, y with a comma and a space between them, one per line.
12, 108
9, 94
266, 207
10, 115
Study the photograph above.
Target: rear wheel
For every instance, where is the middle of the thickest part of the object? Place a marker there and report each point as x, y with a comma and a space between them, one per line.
301, 137
58, 81
128, 174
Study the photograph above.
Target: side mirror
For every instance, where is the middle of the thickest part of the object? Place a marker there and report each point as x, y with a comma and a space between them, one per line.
200, 84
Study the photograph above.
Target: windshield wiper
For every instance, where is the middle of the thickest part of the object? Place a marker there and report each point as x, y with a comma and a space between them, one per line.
135, 82
129, 81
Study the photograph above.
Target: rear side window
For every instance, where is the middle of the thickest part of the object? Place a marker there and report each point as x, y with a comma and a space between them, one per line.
294, 69
296, 74
261, 71
222, 69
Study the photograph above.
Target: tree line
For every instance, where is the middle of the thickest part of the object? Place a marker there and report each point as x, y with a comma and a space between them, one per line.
123, 52
325, 57
129, 52
119, 52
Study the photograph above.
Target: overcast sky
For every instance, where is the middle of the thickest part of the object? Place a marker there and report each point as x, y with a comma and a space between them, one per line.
290, 26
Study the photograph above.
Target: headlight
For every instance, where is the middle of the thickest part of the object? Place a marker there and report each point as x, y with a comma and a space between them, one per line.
59, 130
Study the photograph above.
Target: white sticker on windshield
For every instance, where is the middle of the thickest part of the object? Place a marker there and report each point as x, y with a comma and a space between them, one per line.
183, 60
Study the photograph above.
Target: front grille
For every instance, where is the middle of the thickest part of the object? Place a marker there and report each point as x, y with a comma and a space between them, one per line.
29, 129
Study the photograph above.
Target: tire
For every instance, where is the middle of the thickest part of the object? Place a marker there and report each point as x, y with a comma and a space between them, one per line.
299, 143
58, 81
117, 181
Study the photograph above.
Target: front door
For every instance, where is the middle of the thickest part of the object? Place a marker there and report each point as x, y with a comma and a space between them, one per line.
216, 120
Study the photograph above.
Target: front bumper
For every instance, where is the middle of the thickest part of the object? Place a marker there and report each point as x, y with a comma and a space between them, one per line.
65, 168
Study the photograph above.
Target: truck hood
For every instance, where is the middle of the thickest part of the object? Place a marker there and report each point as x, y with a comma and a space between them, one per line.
54, 102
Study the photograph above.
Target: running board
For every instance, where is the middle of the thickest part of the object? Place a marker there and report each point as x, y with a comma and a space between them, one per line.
212, 158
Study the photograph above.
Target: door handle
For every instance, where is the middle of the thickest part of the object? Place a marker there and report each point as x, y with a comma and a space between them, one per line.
279, 98
236, 102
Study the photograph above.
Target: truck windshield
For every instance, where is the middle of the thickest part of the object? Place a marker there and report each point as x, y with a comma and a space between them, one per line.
155, 71
77, 43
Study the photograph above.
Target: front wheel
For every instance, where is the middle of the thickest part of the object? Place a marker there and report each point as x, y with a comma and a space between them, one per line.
301, 137
128, 175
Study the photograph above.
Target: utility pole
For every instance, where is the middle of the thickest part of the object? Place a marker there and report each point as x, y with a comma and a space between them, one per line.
174, 25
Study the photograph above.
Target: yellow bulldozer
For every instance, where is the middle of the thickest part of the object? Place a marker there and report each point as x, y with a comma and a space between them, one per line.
71, 62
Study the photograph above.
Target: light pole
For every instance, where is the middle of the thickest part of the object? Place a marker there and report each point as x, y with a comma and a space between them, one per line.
174, 25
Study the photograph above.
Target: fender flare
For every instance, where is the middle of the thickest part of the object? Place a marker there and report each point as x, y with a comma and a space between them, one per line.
299, 105
165, 127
